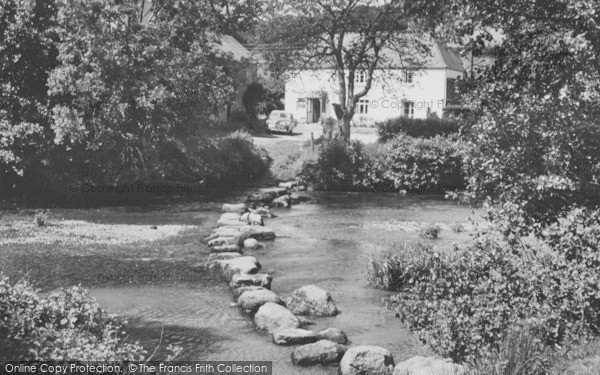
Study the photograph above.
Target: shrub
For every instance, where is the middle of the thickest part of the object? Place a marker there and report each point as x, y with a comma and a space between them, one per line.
341, 166
463, 307
396, 268
457, 227
425, 165
420, 128
520, 353
40, 218
65, 325
430, 231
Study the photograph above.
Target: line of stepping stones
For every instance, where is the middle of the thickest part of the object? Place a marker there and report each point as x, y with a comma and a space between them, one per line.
241, 227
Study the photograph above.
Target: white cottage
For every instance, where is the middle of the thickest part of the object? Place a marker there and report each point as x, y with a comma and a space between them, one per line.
419, 88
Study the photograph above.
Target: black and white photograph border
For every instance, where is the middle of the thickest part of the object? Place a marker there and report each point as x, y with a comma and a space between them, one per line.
300, 187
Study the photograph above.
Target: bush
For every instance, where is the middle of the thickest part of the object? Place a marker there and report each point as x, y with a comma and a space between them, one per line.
341, 166
464, 305
420, 128
425, 165
65, 325
430, 231
396, 268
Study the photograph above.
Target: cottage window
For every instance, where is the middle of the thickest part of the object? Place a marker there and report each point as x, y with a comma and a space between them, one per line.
301, 103
409, 109
407, 76
360, 76
362, 107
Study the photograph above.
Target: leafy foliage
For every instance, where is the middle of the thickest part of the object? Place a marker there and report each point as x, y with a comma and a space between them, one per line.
418, 128
464, 305
398, 267
425, 165
341, 165
65, 325
536, 111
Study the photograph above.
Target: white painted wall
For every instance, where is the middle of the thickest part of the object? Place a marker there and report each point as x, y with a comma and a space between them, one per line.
428, 90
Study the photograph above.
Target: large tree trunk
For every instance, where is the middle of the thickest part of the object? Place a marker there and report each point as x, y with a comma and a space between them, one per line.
344, 125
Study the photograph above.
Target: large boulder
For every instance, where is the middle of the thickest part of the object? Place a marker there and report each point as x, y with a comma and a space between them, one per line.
236, 266
237, 292
258, 232
223, 256
226, 249
293, 336
363, 359
234, 207
333, 334
260, 279
321, 352
428, 366
272, 317
311, 300
251, 300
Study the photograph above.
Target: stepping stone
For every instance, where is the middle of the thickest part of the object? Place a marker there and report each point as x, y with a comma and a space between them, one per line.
311, 300
251, 300
226, 249
428, 366
263, 198
364, 359
260, 279
223, 256
258, 233
234, 207
231, 223
231, 216
251, 243
241, 265
284, 201
271, 317
321, 352
333, 334
288, 185
220, 241
294, 336
252, 218
237, 292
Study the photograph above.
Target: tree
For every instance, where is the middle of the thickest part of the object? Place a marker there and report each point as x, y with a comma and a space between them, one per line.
127, 85
346, 36
537, 112
27, 54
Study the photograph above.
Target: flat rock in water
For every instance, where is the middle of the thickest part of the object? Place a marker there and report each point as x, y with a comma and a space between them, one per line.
311, 300
293, 336
221, 241
251, 300
263, 198
271, 317
231, 216
231, 223
333, 334
260, 279
226, 249
237, 292
234, 207
223, 256
241, 265
258, 232
282, 201
321, 352
364, 359
428, 366
288, 184
251, 243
